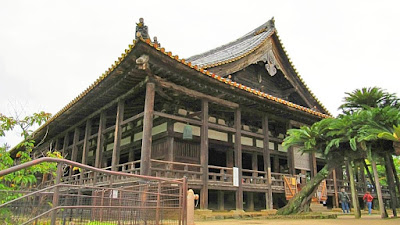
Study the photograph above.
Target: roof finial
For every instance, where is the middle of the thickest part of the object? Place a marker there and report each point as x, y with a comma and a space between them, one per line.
155, 41
142, 30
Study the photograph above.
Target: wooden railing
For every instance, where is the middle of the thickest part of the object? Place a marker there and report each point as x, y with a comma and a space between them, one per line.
224, 174
170, 169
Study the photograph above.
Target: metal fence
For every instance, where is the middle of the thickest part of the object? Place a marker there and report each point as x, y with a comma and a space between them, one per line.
126, 199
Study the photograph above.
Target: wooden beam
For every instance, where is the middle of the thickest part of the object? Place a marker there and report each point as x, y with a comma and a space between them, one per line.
117, 135
196, 94
267, 162
133, 118
238, 158
100, 140
178, 118
147, 128
88, 131
204, 154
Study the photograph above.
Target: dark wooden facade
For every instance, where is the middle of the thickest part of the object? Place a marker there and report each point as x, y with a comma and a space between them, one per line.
238, 100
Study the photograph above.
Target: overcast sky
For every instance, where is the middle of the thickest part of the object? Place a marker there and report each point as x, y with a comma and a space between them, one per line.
50, 51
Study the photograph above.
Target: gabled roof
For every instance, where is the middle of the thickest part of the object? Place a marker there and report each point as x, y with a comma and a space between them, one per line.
236, 49
251, 42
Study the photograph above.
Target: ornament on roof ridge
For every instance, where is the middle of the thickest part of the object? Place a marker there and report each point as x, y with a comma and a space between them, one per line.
142, 30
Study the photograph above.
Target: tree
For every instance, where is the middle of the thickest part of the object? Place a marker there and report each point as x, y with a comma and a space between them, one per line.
26, 178
342, 138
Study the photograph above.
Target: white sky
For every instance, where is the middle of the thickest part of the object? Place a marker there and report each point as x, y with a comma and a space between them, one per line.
50, 51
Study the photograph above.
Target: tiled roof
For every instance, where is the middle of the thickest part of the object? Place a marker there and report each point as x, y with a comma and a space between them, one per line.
236, 49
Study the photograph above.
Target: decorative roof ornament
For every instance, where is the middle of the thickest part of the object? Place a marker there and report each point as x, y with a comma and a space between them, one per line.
142, 30
270, 62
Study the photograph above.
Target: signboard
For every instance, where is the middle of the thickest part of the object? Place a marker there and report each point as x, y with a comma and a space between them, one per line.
235, 176
301, 161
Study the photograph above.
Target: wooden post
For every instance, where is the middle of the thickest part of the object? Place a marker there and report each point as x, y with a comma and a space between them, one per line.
250, 201
276, 164
204, 154
238, 158
221, 205
313, 162
88, 131
74, 154
117, 135
290, 154
170, 140
267, 162
254, 164
56, 194
100, 140
147, 129
335, 187
229, 153
65, 145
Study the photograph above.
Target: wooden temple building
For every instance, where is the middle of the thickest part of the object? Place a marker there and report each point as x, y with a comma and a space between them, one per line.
218, 118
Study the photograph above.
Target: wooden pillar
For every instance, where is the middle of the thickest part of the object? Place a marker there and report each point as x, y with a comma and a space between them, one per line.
276, 164
74, 151
88, 131
221, 203
204, 154
250, 201
267, 162
254, 164
131, 154
238, 158
170, 141
147, 129
229, 153
57, 145
100, 141
117, 135
65, 145
313, 164
290, 156
74, 154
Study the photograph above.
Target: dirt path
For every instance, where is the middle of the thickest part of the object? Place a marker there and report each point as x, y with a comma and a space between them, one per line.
341, 220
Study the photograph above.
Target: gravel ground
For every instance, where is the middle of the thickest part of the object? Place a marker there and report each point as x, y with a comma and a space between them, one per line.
341, 220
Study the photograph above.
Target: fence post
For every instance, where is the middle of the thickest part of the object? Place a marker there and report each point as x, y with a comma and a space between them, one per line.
190, 207
158, 204
56, 193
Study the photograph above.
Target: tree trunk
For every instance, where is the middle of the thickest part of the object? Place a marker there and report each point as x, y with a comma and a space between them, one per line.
378, 190
301, 201
390, 181
369, 175
396, 178
354, 195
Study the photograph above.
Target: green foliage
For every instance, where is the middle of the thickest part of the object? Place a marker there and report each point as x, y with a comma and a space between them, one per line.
10, 184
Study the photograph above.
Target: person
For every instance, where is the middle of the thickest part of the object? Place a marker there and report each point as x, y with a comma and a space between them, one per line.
368, 198
344, 199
